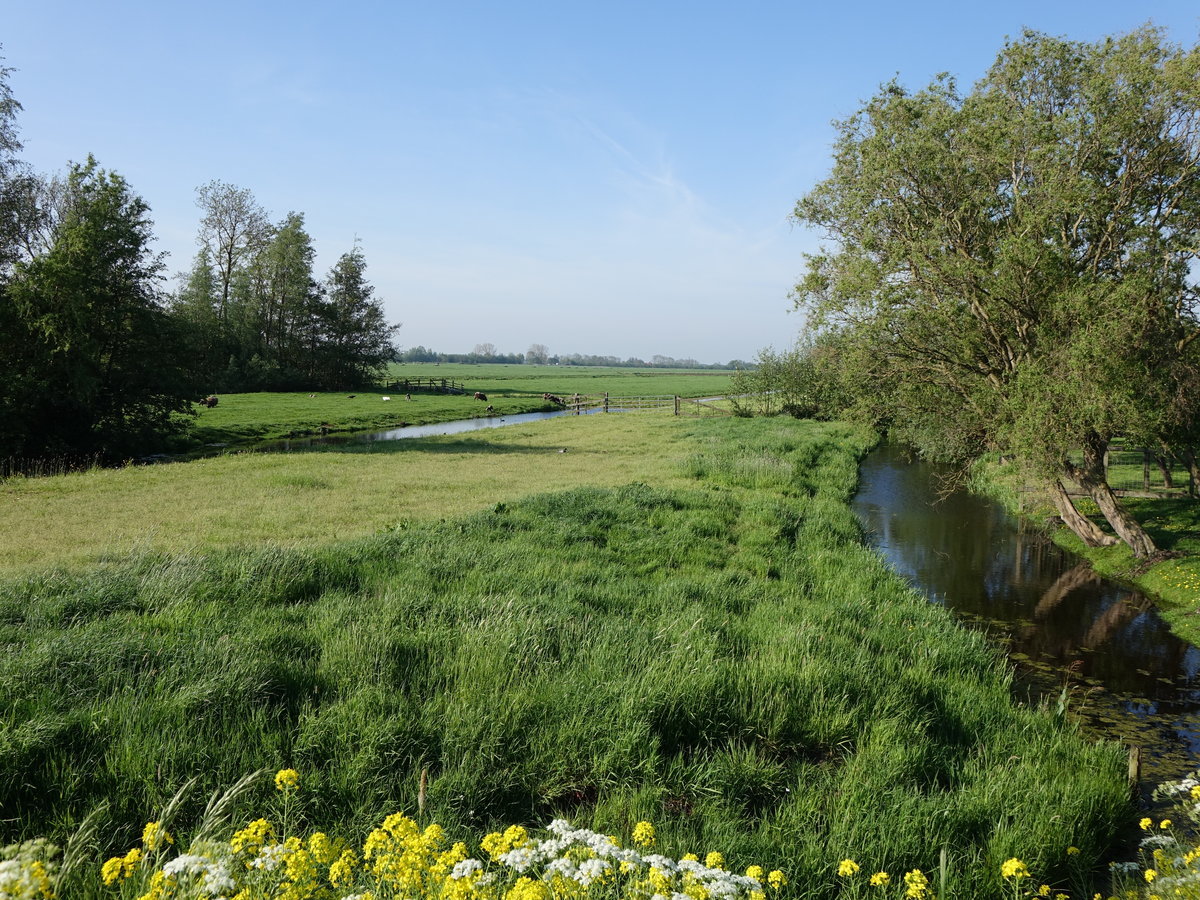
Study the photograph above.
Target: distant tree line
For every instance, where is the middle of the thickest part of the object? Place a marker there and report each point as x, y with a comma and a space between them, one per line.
539, 354
97, 360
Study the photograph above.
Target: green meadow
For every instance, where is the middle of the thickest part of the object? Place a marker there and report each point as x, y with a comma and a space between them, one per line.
241, 420
674, 621
562, 380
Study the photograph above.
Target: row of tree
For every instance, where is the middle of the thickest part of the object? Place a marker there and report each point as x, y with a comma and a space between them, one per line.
259, 318
540, 355
1014, 268
97, 360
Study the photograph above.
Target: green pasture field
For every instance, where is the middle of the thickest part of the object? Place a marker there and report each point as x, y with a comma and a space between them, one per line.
305, 498
532, 380
705, 643
240, 420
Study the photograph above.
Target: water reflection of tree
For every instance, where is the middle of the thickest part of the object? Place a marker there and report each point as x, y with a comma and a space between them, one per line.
1103, 639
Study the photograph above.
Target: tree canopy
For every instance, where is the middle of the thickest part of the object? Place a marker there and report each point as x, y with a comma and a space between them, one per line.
1012, 267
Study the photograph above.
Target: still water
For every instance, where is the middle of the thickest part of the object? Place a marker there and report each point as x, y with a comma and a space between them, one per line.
458, 426
1128, 677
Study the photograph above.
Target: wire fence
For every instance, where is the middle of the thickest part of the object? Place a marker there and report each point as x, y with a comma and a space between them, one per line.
1137, 471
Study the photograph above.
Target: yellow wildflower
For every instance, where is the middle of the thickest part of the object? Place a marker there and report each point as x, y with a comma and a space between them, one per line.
342, 871
1196, 792
879, 879
1165, 823
1146, 824
777, 879
661, 881
154, 836
526, 889
643, 835
1150, 875
1044, 890
133, 857
1072, 851
918, 885
755, 872
714, 860
1014, 868
691, 857
847, 868
253, 837
111, 870
287, 779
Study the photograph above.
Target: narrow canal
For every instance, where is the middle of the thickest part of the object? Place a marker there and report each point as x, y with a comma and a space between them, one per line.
1127, 677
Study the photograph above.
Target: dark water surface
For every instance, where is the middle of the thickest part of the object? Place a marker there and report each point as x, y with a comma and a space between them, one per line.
1129, 678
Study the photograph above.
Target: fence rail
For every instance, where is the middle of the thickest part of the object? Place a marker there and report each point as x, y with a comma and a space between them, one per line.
1142, 472
425, 386
679, 406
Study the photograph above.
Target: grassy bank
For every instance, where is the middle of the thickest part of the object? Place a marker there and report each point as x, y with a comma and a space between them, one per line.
720, 655
1173, 524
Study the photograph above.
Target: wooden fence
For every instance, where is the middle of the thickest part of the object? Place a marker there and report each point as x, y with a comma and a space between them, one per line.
1141, 472
425, 386
676, 405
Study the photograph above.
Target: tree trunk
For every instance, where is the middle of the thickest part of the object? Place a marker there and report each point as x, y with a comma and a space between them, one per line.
1164, 466
1090, 477
1087, 530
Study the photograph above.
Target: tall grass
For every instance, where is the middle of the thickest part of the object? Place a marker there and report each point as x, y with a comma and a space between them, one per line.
725, 659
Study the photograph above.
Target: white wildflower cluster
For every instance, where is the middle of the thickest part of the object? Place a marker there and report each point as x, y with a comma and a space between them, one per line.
26, 870
586, 857
269, 857
466, 868
212, 875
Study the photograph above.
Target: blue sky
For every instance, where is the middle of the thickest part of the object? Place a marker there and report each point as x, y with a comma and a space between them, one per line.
610, 178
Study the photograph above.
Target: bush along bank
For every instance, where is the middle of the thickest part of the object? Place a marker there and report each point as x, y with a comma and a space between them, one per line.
727, 661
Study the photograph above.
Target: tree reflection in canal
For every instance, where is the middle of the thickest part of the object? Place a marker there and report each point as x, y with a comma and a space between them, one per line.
1128, 676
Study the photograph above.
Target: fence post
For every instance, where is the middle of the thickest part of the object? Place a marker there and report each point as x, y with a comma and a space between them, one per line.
606, 401
1146, 470
676, 404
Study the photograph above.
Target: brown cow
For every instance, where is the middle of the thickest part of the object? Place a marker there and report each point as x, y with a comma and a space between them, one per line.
210, 401
480, 395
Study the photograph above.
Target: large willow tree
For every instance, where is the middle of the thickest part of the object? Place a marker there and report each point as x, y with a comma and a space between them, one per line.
1013, 268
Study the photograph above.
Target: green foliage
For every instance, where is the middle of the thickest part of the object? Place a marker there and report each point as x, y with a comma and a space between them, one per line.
1013, 266
99, 359
259, 319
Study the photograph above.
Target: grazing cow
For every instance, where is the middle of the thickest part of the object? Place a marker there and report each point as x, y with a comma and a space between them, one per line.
554, 398
385, 398
210, 401
480, 395
408, 396
491, 409
352, 396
